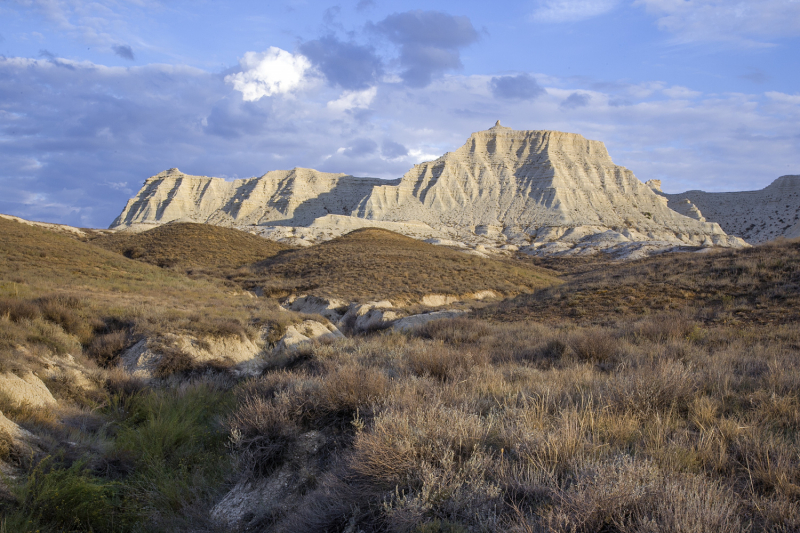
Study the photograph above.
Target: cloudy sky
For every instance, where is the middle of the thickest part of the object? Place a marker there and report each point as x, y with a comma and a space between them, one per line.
95, 96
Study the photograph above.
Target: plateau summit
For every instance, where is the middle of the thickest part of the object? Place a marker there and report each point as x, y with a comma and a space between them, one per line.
536, 191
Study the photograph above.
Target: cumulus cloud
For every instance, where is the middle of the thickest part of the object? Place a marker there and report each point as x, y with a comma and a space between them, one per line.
576, 100
124, 51
68, 134
353, 100
743, 21
429, 42
346, 64
519, 87
267, 73
550, 11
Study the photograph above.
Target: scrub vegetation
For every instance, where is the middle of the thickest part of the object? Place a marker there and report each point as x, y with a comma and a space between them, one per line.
653, 395
375, 264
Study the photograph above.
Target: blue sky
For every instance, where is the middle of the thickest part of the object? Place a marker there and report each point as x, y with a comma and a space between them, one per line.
97, 96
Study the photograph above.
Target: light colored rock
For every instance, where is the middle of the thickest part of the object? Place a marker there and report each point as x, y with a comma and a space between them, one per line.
331, 226
498, 188
141, 360
23, 443
306, 331
413, 321
437, 300
26, 389
755, 216
309, 304
686, 208
367, 316
446, 242
482, 295
250, 500
289, 197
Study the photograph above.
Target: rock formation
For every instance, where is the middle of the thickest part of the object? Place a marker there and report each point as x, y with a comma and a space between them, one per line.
282, 197
756, 216
522, 189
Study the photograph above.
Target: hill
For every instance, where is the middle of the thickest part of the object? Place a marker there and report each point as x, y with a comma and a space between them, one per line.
377, 264
756, 216
186, 245
758, 285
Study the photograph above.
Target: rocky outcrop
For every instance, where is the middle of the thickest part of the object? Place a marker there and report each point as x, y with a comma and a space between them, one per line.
755, 216
504, 180
26, 390
502, 188
306, 331
282, 197
142, 360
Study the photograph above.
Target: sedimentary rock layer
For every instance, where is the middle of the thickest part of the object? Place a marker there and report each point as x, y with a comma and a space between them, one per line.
502, 183
756, 216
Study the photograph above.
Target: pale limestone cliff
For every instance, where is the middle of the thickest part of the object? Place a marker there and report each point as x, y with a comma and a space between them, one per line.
282, 197
504, 187
755, 216
502, 178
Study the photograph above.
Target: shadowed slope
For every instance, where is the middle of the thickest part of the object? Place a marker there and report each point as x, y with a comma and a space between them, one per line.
189, 245
373, 264
758, 285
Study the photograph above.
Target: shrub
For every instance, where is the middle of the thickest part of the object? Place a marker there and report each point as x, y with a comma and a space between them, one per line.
105, 349
68, 498
595, 346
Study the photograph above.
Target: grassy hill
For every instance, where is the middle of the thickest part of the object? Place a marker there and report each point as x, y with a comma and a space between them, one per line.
654, 395
50, 279
758, 285
184, 246
372, 264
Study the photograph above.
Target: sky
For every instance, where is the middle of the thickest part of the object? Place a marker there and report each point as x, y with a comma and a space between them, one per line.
96, 96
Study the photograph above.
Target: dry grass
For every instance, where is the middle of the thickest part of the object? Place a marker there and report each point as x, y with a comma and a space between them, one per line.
758, 285
524, 427
374, 264
573, 409
189, 246
59, 295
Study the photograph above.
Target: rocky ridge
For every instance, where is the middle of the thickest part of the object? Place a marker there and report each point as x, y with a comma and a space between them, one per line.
756, 216
540, 192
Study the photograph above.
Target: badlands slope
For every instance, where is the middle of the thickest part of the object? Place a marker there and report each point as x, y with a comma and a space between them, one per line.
756, 216
541, 191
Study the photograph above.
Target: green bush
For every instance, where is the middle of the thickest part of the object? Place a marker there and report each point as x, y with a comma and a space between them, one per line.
66, 499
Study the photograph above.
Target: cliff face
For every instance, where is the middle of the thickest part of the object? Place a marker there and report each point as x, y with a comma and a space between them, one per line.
538, 184
281, 197
756, 216
529, 179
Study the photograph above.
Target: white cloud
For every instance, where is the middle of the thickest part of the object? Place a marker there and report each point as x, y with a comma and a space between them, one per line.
353, 100
680, 93
747, 22
52, 115
275, 71
571, 10
784, 98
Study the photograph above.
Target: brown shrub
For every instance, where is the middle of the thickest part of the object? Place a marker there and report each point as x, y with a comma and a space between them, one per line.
173, 360
455, 331
263, 431
105, 349
347, 389
443, 362
595, 346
